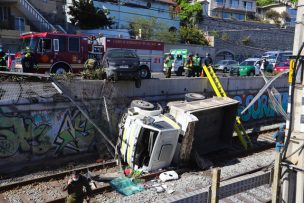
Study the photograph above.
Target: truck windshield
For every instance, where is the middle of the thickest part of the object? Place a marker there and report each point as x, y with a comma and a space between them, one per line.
28, 42
144, 146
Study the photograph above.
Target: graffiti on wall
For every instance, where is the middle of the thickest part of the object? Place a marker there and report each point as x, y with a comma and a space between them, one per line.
262, 109
33, 133
74, 128
21, 133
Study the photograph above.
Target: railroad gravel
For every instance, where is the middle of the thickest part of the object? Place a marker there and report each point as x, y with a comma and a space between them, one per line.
191, 181
188, 181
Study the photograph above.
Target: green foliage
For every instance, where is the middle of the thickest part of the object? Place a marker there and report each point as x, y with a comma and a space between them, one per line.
273, 15
225, 36
86, 16
214, 33
192, 35
246, 40
264, 2
97, 74
151, 29
190, 13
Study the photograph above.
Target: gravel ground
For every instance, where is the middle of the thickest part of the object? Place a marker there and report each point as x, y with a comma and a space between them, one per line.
187, 182
191, 181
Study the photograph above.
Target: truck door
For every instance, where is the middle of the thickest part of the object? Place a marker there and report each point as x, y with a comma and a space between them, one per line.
44, 52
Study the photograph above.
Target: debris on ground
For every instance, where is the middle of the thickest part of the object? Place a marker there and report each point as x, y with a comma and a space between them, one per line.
168, 175
126, 186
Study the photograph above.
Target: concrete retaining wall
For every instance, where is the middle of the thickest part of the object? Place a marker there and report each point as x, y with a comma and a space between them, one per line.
40, 128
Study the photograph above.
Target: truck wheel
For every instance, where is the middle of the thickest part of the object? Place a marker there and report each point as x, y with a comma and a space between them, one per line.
142, 104
180, 71
193, 97
225, 70
145, 72
251, 74
60, 69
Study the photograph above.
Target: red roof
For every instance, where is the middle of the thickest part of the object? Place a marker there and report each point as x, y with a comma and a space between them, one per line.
168, 1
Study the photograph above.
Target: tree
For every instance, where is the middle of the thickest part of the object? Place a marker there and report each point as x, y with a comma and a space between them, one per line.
151, 29
273, 15
264, 2
192, 35
86, 16
190, 13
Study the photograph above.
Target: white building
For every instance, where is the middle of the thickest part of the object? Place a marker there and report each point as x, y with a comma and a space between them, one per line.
229, 9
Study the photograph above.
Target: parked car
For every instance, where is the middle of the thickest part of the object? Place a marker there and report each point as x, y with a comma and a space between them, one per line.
247, 67
282, 66
121, 64
225, 65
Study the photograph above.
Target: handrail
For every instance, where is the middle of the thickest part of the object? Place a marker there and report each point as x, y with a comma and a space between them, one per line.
27, 5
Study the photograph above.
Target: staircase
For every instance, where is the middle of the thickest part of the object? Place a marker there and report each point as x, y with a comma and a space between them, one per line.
220, 92
35, 17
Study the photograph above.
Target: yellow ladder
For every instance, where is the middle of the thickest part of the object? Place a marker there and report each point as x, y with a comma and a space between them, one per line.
220, 92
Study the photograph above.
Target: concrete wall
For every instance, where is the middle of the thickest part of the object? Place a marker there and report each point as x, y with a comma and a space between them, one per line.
263, 37
38, 124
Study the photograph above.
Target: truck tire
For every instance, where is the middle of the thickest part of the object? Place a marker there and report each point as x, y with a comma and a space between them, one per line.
144, 105
251, 73
145, 72
60, 69
193, 97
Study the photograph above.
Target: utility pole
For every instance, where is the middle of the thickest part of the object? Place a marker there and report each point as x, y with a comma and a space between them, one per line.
293, 176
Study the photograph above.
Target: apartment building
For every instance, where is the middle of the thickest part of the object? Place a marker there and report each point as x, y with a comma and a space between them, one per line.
229, 9
126, 11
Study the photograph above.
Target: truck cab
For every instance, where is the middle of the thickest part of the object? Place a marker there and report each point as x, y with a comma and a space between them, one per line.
151, 140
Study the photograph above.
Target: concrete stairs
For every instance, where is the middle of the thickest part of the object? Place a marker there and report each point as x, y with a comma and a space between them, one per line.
35, 17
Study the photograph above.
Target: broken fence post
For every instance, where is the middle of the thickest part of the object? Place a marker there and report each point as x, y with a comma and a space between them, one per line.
276, 178
216, 175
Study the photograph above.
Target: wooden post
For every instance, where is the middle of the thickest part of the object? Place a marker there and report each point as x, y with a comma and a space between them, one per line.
216, 175
276, 178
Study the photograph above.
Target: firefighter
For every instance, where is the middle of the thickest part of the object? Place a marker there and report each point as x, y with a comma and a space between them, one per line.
189, 66
168, 65
279, 137
197, 66
28, 62
208, 60
2, 59
75, 187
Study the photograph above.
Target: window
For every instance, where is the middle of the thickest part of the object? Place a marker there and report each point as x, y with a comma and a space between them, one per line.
247, 5
234, 3
74, 44
130, 54
226, 15
5, 13
56, 44
19, 24
220, 1
44, 45
62, 44
116, 54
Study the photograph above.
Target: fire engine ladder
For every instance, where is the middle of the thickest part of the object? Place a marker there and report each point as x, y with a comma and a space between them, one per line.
220, 92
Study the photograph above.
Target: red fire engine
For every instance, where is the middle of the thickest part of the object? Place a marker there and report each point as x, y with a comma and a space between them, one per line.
55, 52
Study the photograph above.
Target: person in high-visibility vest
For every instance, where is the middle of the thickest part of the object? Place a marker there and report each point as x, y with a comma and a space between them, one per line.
189, 66
168, 65
197, 66
3, 66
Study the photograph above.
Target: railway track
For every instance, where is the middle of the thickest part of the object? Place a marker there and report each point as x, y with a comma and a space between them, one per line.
25, 190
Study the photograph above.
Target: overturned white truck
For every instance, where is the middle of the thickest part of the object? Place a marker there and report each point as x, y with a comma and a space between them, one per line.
151, 140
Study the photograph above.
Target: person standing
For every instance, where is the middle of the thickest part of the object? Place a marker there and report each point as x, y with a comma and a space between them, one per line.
189, 66
168, 65
197, 65
75, 187
208, 60
279, 137
3, 66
